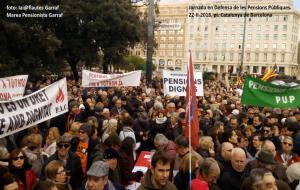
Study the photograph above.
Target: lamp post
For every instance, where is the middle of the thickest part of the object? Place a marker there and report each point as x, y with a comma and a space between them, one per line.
244, 36
150, 42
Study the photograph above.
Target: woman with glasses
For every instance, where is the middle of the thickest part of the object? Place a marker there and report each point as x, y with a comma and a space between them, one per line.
19, 167
55, 172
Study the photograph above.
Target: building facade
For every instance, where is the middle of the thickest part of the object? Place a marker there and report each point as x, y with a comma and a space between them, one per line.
215, 36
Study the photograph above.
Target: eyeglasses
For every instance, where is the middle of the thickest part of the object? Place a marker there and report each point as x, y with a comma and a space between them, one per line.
61, 172
18, 157
286, 143
267, 131
63, 145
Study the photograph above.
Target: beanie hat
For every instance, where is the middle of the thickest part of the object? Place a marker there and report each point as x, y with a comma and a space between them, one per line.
86, 127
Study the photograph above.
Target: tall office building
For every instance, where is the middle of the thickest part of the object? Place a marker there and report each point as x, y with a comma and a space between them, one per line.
214, 31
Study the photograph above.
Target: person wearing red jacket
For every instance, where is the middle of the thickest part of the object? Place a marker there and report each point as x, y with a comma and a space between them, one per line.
19, 167
286, 156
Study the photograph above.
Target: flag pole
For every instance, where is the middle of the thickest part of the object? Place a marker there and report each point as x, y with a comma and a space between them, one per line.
189, 118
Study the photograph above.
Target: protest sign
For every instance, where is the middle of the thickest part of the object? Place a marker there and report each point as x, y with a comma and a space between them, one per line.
264, 94
143, 162
93, 79
12, 87
33, 109
174, 83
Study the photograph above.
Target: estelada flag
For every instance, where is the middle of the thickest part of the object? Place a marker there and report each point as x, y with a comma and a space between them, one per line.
191, 110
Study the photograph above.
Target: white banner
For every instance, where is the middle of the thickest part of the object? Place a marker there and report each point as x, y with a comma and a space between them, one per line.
35, 108
174, 83
12, 87
93, 79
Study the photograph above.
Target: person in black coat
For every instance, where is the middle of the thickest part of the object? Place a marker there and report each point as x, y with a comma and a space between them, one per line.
232, 179
71, 161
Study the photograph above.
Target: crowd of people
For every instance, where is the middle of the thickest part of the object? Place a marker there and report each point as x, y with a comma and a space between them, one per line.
96, 144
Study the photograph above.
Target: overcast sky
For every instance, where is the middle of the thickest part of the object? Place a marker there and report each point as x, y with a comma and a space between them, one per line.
296, 2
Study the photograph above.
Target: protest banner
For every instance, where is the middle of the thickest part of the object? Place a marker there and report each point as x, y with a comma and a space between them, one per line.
12, 87
93, 79
174, 83
49, 102
264, 94
143, 162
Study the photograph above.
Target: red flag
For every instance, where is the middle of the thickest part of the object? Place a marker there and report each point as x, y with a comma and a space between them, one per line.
191, 110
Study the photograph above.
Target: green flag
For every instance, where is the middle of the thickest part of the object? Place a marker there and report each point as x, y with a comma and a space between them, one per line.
264, 94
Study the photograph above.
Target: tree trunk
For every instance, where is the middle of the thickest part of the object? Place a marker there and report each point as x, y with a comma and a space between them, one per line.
106, 63
73, 64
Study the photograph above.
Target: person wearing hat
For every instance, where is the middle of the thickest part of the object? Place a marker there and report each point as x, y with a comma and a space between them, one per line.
81, 151
111, 157
71, 161
97, 177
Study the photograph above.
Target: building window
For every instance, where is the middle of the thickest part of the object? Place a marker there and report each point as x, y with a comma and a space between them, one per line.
197, 67
231, 56
161, 64
179, 45
231, 45
170, 64
179, 38
281, 69
225, 36
197, 54
224, 45
249, 28
257, 36
266, 36
179, 53
178, 64
256, 46
274, 57
282, 57
225, 29
266, 46
265, 56
204, 56
248, 57
283, 46
206, 28
223, 56
267, 27
240, 57
255, 69
248, 45
241, 36
170, 45
249, 36
217, 28
216, 45
285, 27
285, 18
170, 53
283, 36
256, 56
274, 46
275, 27
258, 27
215, 56
233, 28
275, 37
205, 36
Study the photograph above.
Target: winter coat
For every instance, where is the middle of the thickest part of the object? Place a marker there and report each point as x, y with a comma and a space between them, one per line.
127, 132
148, 185
231, 180
292, 159
74, 166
